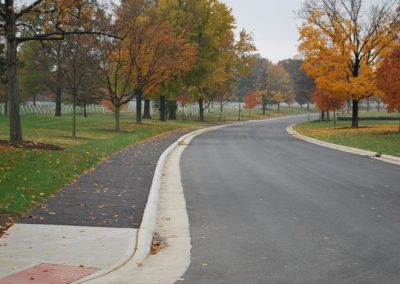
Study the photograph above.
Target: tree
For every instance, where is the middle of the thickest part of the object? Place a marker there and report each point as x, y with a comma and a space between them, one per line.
388, 80
279, 84
327, 101
251, 100
79, 81
146, 55
34, 75
303, 85
255, 79
183, 100
3, 78
41, 20
212, 31
343, 42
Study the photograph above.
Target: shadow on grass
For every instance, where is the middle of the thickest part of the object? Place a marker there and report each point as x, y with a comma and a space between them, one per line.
112, 130
77, 138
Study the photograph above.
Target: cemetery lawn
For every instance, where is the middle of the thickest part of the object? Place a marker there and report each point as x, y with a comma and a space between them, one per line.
382, 137
27, 176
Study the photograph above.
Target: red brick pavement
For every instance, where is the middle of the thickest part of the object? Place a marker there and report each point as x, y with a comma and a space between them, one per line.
48, 274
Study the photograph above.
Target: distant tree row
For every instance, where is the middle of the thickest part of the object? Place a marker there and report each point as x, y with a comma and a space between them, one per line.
277, 83
113, 54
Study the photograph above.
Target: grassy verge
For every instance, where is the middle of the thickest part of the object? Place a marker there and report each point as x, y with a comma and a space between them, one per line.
378, 136
28, 176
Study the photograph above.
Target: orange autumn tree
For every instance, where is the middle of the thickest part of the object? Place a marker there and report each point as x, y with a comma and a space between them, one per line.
388, 80
327, 101
158, 51
343, 42
183, 100
251, 100
147, 54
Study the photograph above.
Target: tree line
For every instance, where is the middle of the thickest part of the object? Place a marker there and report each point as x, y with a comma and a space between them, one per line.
273, 84
118, 52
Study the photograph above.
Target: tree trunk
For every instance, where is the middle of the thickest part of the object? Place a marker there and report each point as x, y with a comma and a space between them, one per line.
74, 114
183, 112
334, 118
139, 106
172, 107
279, 107
308, 104
59, 83
322, 115
162, 108
13, 88
264, 105
34, 100
367, 105
84, 107
379, 105
201, 109
221, 110
146, 111
117, 116
6, 104
354, 119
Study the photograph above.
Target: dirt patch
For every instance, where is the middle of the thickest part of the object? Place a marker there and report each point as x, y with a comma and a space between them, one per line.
31, 145
6, 221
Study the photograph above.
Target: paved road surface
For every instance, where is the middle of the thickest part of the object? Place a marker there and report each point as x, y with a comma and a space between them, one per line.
265, 207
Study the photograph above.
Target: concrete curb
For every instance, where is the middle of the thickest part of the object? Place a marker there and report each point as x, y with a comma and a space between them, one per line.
374, 155
147, 227
140, 250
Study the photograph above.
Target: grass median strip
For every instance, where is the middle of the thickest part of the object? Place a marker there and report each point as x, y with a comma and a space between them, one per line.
378, 136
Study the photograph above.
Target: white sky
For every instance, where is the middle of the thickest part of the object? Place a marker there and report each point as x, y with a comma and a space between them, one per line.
273, 23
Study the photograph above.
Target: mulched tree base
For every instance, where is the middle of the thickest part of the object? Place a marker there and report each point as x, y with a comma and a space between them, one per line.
31, 145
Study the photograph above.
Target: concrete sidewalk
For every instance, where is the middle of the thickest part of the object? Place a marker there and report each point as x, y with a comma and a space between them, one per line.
26, 246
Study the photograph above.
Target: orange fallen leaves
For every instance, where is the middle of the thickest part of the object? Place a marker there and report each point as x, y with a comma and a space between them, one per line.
373, 130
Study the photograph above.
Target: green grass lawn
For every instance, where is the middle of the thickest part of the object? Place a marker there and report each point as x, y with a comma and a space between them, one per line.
375, 114
378, 136
28, 176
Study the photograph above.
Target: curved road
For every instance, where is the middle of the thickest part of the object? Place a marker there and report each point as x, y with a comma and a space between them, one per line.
265, 207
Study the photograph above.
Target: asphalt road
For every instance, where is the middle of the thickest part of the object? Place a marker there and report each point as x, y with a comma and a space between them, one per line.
265, 207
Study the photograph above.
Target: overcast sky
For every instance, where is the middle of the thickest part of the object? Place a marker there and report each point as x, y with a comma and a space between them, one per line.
273, 23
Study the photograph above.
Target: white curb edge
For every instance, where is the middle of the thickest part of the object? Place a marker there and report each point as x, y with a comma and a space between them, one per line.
384, 158
140, 250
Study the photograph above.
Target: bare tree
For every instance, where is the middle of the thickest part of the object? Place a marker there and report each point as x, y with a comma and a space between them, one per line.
40, 20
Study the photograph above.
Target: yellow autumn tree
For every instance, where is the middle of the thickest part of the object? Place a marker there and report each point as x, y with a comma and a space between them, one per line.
343, 43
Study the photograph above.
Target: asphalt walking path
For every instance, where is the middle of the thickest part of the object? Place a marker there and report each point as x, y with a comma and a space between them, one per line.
114, 194
265, 207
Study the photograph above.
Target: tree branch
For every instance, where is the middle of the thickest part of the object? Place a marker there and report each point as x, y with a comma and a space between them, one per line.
29, 8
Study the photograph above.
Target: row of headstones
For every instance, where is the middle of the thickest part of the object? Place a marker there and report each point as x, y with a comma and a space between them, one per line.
49, 108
